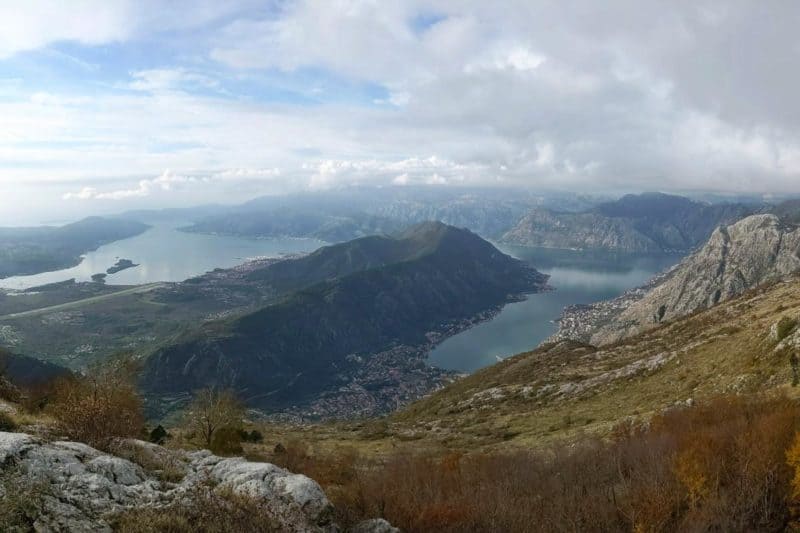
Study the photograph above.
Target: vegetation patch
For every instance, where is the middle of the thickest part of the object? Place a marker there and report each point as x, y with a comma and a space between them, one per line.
785, 327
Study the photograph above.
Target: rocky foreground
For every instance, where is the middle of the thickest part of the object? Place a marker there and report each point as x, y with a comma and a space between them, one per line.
79, 488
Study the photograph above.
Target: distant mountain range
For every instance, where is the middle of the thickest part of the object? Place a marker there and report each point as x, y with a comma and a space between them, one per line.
345, 214
45, 248
649, 222
374, 297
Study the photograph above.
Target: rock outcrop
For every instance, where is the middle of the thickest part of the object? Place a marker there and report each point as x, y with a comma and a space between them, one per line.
81, 488
753, 251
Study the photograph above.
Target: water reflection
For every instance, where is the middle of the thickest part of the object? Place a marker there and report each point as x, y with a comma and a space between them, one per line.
166, 254
578, 277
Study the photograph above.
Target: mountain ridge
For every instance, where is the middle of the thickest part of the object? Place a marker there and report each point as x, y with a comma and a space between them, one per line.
328, 332
648, 222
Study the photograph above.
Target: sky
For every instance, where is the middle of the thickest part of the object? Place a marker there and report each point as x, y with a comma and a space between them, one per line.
114, 104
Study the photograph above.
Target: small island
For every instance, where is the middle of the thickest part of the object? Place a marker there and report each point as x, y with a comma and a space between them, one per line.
122, 264
99, 277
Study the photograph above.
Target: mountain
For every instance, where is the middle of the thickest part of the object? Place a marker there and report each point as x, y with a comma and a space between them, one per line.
344, 214
283, 222
649, 222
45, 248
756, 250
26, 371
363, 331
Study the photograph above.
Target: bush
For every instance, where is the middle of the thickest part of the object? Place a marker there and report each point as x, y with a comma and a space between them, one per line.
210, 410
158, 435
226, 441
723, 465
253, 436
98, 407
7, 422
785, 326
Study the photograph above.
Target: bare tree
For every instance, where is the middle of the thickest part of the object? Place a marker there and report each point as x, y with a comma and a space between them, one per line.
212, 409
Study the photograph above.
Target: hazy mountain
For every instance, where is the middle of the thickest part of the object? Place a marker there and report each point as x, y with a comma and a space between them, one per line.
401, 290
344, 214
290, 222
44, 248
647, 222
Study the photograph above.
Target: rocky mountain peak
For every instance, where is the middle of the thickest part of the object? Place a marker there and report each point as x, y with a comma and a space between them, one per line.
755, 250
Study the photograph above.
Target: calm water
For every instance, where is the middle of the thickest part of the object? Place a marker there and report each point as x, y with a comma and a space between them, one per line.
166, 254
578, 277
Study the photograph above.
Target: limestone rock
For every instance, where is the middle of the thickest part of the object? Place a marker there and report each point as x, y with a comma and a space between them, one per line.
83, 486
375, 525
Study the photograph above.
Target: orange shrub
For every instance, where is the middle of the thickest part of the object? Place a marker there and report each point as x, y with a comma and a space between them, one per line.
724, 465
98, 407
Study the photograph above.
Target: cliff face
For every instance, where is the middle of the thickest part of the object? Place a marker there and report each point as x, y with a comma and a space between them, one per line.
649, 222
753, 251
548, 229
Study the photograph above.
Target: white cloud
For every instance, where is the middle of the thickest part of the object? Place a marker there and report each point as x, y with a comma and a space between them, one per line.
582, 95
34, 24
431, 170
166, 182
154, 80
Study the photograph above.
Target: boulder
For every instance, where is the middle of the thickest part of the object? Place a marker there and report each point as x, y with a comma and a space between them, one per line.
83, 486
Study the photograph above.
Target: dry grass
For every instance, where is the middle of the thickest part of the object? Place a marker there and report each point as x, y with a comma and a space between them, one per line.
203, 511
21, 501
166, 465
720, 466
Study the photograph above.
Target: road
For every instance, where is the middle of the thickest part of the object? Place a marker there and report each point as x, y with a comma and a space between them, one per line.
86, 301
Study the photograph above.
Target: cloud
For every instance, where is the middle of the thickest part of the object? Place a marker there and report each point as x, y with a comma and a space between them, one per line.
35, 24
154, 80
580, 95
165, 182
428, 171
613, 90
